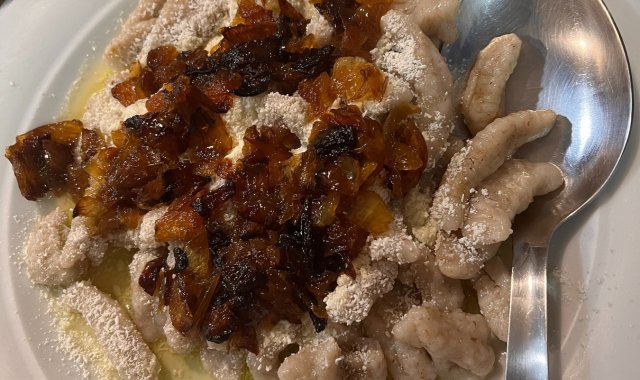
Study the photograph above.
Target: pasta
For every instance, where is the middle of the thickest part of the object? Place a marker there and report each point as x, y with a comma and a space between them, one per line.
223, 364
494, 290
484, 154
436, 18
317, 359
123, 343
404, 361
44, 260
502, 195
505, 194
484, 91
455, 336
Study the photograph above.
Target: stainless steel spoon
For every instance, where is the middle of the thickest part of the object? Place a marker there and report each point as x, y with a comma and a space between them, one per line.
573, 61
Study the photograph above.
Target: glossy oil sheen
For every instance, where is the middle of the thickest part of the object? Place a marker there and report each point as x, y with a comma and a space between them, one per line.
573, 62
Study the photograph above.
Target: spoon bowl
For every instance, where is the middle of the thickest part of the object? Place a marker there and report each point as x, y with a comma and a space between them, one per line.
573, 62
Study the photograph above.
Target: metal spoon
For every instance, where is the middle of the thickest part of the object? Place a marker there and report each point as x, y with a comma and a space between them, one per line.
573, 61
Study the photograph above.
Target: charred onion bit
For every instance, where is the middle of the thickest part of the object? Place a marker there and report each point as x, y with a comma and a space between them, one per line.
43, 159
267, 241
319, 92
357, 80
332, 142
149, 279
405, 150
357, 24
143, 169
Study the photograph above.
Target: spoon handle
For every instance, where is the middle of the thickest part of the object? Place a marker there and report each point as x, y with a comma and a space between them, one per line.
527, 357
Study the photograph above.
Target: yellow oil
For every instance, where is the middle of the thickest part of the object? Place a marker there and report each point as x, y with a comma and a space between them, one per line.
81, 342
93, 79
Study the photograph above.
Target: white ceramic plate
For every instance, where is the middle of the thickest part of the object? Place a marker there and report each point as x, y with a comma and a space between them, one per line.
595, 285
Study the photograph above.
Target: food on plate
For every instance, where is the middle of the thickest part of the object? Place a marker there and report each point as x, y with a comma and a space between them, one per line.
484, 90
284, 184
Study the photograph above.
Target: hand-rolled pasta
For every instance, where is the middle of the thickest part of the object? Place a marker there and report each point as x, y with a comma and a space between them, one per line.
122, 342
482, 97
396, 93
80, 240
180, 343
459, 257
396, 245
404, 362
57, 255
271, 343
484, 154
458, 337
503, 195
494, 290
317, 360
125, 47
187, 27
223, 364
440, 291
436, 18
363, 359
352, 298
